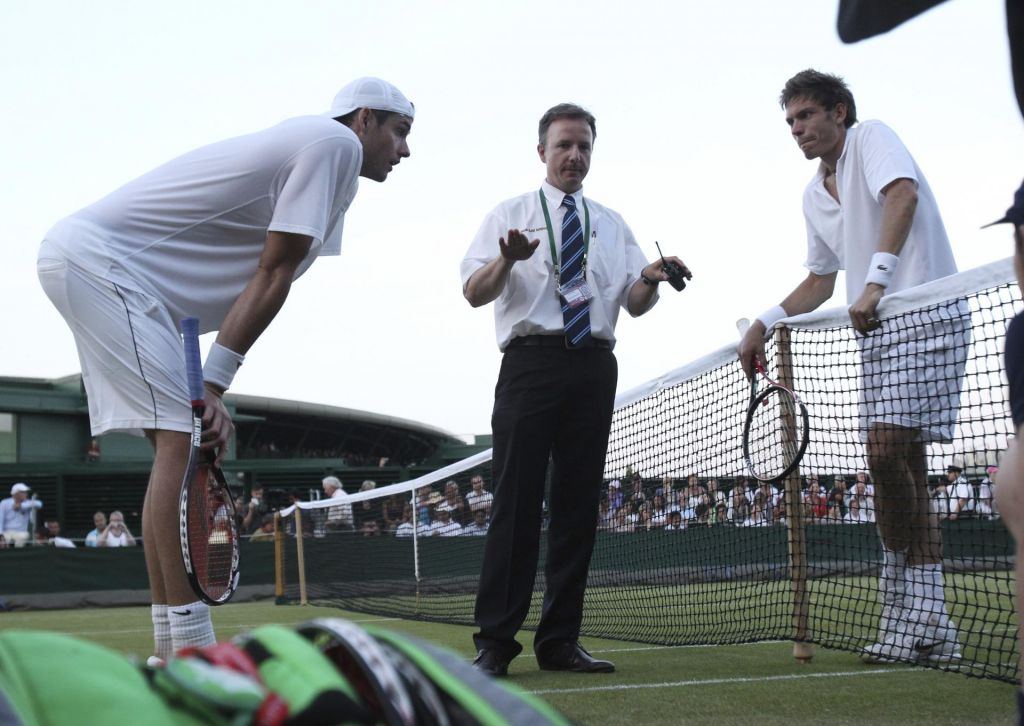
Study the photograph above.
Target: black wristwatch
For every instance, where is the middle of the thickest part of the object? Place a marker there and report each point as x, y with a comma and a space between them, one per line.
649, 281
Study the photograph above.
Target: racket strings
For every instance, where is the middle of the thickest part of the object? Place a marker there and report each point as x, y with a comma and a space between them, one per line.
212, 534
774, 433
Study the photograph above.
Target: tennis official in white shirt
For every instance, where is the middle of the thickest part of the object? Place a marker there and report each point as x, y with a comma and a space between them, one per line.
558, 267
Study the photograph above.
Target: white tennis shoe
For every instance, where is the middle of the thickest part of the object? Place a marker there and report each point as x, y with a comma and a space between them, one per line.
926, 644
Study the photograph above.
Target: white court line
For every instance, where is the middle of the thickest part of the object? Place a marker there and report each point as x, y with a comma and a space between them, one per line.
722, 681
640, 648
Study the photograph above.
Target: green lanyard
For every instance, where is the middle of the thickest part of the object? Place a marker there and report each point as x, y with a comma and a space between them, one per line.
551, 238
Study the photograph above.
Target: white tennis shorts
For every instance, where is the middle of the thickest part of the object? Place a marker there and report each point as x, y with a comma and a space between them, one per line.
913, 369
132, 358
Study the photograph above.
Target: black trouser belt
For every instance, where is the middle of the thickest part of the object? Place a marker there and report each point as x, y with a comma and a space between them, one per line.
556, 341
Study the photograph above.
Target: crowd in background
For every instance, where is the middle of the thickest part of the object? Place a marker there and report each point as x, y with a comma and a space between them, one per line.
632, 504
629, 504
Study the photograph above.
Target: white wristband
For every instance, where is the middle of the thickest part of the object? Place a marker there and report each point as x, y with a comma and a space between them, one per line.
221, 365
771, 316
882, 268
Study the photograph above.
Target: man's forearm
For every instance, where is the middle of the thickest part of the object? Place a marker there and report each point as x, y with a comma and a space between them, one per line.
897, 215
487, 283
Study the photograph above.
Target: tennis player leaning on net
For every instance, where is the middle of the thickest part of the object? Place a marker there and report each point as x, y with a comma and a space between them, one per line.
219, 234
870, 211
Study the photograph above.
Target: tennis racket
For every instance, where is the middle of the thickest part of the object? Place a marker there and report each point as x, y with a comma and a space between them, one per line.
777, 427
206, 511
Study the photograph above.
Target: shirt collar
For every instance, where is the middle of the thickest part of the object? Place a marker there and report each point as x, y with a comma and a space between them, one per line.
842, 157
555, 195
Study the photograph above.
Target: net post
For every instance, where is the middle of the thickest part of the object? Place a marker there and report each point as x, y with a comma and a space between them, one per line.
796, 539
300, 556
279, 598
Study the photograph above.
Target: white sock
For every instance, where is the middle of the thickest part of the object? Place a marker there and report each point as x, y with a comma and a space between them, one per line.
190, 625
929, 592
161, 631
892, 581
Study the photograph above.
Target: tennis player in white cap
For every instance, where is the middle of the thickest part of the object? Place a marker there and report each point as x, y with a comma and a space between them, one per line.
218, 234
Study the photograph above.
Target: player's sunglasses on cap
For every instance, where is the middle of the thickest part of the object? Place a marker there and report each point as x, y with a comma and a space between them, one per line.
1015, 214
370, 92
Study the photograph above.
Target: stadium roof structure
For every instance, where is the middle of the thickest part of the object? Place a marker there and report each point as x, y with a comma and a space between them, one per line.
265, 427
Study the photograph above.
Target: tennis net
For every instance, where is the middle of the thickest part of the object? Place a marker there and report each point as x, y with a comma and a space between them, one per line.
692, 551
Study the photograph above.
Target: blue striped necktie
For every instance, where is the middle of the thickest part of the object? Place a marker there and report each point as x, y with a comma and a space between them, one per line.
577, 319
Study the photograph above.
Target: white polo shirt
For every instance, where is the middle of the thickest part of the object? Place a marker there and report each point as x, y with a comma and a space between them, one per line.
529, 304
190, 232
844, 235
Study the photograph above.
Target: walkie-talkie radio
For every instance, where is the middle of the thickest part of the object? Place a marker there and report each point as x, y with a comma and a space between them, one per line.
676, 276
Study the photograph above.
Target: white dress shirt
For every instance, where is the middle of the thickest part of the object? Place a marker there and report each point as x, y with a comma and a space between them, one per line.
529, 304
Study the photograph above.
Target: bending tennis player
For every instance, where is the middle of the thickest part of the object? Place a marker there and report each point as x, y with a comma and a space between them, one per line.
870, 211
218, 234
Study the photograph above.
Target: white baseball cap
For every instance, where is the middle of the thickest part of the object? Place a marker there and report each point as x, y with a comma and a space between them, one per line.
370, 92
19, 487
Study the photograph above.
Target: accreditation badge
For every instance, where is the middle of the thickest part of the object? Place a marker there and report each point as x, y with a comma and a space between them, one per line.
576, 292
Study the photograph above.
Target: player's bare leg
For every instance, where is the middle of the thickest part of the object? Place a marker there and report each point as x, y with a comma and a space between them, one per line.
188, 617
914, 624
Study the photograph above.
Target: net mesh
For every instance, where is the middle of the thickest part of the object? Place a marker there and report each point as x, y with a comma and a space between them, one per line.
868, 544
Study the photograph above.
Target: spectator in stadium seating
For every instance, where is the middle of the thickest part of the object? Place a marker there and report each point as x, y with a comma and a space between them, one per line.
605, 515
675, 521
620, 521
556, 389
453, 497
643, 521
721, 515
863, 492
53, 536
818, 504
478, 526
638, 496
759, 511
856, 512
739, 503
368, 508
715, 493
405, 528
255, 509
220, 233
116, 533
959, 494
99, 521
16, 515
425, 500
614, 495
391, 511
370, 528
659, 511
265, 531
836, 505
339, 518
478, 497
986, 502
444, 525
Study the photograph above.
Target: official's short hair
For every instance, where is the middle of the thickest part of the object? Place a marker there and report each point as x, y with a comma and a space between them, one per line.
561, 111
822, 88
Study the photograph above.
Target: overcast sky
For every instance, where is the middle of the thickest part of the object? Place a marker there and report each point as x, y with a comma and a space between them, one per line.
691, 149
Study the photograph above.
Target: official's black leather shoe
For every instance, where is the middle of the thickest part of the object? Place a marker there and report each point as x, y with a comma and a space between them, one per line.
572, 657
492, 662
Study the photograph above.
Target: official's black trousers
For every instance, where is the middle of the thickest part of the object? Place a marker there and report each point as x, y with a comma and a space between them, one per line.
548, 402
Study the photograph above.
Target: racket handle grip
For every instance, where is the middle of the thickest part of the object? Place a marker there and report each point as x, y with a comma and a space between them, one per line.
193, 361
